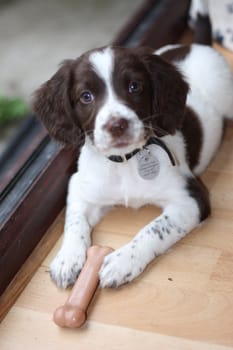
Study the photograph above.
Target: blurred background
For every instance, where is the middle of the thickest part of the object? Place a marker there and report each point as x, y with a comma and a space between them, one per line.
35, 36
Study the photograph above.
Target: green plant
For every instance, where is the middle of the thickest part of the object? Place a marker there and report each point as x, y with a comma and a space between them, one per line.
11, 109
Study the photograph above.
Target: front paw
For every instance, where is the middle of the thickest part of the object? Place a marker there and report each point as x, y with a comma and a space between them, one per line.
66, 266
120, 267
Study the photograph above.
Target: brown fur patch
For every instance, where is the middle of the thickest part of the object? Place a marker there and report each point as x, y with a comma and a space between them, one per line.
176, 54
193, 135
199, 192
53, 105
169, 91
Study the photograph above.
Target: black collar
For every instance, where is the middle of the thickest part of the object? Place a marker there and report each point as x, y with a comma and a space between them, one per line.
152, 141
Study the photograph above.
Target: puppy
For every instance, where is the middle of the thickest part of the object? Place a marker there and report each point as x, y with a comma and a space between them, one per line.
148, 123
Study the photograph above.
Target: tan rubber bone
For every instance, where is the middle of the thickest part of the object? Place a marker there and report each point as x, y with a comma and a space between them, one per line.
73, 313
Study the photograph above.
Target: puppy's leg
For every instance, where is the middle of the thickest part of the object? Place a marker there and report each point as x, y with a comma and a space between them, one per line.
177, 219
81, 216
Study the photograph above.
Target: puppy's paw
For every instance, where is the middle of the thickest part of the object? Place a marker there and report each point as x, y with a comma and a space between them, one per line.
66, 266
120, 267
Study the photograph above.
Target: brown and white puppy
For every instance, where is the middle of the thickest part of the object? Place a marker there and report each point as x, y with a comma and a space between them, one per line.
148, 124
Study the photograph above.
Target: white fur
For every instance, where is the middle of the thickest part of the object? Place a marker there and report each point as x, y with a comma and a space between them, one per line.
198, 7
210, 96
103, 63
101, 184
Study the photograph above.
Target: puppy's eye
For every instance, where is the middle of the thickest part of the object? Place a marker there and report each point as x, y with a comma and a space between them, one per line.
86, 97
135, 87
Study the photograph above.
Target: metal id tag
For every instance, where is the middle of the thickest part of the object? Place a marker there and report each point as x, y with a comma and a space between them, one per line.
148, 164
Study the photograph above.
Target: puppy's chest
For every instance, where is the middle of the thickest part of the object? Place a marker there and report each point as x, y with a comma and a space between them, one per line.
122, 186
132, 183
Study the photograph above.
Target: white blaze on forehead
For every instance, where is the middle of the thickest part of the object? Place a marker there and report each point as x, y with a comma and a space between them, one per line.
103, 64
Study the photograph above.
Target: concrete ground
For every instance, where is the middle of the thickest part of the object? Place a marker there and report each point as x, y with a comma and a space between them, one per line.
36, 35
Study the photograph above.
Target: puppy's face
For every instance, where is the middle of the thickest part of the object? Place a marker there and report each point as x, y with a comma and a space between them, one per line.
116, 96
113, 99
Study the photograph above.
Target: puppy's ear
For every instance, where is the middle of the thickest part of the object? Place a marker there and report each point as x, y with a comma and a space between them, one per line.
53, 106
169, 94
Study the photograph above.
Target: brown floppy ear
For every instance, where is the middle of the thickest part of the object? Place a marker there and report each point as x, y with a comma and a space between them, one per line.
169, 94
53, 106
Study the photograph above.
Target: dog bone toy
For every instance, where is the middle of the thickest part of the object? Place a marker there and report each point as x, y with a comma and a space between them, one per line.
73, 313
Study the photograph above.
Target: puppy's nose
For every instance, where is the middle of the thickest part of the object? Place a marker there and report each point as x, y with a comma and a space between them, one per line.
117, 127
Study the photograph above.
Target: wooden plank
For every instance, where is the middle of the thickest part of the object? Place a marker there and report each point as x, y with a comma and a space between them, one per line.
182, 295
93, 336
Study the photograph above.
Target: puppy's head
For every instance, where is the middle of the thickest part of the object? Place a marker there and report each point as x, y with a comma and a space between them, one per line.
116, 96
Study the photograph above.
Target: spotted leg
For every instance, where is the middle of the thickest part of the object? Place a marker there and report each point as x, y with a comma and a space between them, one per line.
81, 216
126, 263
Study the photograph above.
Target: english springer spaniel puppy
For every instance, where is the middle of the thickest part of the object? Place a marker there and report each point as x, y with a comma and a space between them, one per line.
148, 124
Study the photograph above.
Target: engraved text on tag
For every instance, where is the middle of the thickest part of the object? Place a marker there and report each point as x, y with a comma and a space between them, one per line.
148, 164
